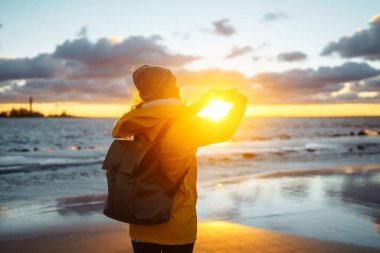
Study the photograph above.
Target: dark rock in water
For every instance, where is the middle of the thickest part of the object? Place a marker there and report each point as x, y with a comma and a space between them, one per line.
79, 147
350, 149
310, 150
258, 138
284, 137
360, 147
341, 135
18, 150
35, 149
248, 155
367, 132
225, 159
218, 159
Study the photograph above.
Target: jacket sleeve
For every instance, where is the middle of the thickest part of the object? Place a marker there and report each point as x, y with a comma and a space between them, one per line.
206, 132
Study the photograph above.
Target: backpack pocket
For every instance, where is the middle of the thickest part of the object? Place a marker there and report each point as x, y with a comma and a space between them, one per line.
119, 203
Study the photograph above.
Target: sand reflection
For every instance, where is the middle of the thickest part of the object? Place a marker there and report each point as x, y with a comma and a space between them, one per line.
342, 205
81, 205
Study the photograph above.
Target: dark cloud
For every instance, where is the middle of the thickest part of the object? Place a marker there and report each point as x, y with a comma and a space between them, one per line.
315, 79
54, 90
322, 85
369, 85
291, 56
81, 70
42, 66
134, 50
372, 85
308, 85
363, 43
238, 51
222, 27
85, 71
272, 16
81, 59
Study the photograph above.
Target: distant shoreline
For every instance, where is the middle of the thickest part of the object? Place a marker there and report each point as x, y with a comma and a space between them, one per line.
261, 117
39, 117
24, 113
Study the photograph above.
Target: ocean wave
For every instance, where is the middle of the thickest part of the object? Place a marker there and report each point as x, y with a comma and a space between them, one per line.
346, 170
35, 167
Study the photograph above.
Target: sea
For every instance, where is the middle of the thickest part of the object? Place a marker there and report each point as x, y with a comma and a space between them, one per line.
314, 177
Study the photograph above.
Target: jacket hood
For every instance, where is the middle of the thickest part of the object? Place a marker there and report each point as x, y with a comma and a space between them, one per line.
147, 120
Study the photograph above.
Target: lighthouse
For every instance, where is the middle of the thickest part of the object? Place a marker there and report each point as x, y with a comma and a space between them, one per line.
30, 105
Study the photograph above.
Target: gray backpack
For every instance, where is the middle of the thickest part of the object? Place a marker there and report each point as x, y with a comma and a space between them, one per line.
138, 189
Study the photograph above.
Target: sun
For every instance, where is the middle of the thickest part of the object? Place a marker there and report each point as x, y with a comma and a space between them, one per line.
215, 110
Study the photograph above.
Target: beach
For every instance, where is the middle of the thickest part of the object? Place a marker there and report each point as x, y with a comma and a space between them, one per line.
314, 186
212, 237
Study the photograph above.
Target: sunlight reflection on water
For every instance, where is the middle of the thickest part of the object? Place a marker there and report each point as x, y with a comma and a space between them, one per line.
344, 208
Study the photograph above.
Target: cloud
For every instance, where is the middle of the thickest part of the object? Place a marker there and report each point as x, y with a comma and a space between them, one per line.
82, 70
372, 85
272, 16
134, 50
321, 85
309, 85
367, 91
364, 43
291, 56
369, 85
41, 66
221, 27
238, 51
103, 59
65, 90
119, 89
85, 71
83, 32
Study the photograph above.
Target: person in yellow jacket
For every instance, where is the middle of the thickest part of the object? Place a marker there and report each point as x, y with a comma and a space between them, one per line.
159, 92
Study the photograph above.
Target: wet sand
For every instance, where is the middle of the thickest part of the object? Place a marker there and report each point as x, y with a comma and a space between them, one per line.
338, 204
217, 236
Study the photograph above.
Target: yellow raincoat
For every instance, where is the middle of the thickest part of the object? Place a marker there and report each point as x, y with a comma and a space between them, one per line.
178, 149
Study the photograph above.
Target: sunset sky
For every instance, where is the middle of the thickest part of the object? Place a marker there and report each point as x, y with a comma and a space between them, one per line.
291, 58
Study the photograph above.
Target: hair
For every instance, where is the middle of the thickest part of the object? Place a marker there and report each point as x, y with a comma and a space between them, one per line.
136, 100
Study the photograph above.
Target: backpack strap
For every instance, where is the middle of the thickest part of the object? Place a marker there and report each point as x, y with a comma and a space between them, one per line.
175, 188
159, 137
161, 133
165, 128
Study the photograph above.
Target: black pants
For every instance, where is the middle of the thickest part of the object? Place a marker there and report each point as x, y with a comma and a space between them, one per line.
145, 247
